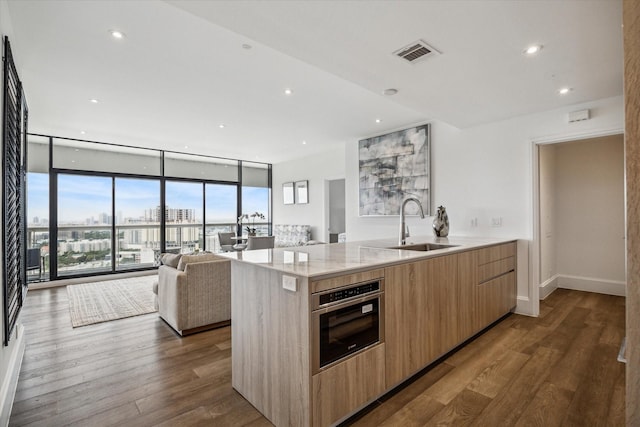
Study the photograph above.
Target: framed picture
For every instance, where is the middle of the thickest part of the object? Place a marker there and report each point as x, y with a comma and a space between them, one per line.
392, 167
302, 192
287, 193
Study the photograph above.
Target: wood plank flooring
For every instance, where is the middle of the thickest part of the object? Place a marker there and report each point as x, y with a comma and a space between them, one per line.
556, 370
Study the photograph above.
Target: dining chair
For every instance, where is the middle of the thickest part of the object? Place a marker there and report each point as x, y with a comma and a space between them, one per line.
260, 242
226, 241
33, 261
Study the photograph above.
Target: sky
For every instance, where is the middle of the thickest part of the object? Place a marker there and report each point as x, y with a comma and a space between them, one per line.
81, 197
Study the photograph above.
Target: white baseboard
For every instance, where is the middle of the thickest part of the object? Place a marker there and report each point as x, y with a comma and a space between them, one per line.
548, 286
10, 380
590, 284
524, 306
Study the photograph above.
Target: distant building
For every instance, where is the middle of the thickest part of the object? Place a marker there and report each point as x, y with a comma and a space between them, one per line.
175, 215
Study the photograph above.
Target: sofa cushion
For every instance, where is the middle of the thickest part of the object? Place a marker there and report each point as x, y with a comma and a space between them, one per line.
171, 260
291, 235
201, 257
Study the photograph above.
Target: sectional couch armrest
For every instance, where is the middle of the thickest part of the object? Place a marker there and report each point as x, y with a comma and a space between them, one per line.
207, 292
172, 294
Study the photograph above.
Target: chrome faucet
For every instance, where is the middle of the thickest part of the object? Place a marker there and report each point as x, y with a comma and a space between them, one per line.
404, 230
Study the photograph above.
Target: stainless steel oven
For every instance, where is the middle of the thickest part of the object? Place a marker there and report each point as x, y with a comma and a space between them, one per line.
346, 320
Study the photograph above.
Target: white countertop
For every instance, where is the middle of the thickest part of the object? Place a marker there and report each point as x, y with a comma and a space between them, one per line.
317, 261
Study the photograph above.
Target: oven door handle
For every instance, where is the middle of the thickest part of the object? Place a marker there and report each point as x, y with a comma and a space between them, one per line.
347, 303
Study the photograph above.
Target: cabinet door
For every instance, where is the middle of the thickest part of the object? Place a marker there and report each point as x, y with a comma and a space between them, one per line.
347, 386
467, 284
496, 298
420, 316
496, 290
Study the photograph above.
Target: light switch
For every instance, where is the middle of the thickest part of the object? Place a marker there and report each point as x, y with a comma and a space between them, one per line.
290, 283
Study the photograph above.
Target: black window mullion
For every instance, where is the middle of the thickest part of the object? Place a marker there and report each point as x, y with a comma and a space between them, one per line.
270, 208
163, 208
53, 225
114, 237
204, 217
239, 212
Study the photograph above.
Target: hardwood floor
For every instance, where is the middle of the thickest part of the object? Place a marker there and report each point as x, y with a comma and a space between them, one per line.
558, 369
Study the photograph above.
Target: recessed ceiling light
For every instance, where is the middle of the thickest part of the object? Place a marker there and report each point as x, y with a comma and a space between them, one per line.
116, 34
304, 142
390, 91
288, 91
186, 146
533, 49
221, 125
378, 120
93, 101
565, 90
82, 132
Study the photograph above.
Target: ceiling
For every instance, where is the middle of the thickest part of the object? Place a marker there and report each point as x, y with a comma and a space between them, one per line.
186, 67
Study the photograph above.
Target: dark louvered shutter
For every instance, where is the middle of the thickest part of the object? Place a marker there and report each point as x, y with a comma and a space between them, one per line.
13, 193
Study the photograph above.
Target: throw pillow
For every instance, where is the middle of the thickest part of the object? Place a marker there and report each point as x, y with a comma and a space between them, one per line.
171, 260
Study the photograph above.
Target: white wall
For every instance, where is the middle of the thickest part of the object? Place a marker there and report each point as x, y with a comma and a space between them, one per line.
485, 172
548, 238
590, 215
11, 355
481, 173
316, 169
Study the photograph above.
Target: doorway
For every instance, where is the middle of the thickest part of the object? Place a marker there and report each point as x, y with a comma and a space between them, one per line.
335, 209
581, 216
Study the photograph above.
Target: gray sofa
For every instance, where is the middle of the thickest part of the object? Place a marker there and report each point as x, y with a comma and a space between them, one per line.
194, 292
287, 235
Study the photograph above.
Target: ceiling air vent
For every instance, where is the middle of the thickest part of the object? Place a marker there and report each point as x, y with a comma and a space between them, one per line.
416, 51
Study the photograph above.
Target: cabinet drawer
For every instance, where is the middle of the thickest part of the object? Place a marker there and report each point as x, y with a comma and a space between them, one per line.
346, 387
496, 298
496, 253
496, 268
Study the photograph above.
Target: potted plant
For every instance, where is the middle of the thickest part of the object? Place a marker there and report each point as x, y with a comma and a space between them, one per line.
251, 229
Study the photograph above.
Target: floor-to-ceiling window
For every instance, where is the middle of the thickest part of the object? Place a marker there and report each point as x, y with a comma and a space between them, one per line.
183, 214
137, 221
98, 208
221, 212
37, 226
256, 195
37, 209
84, 224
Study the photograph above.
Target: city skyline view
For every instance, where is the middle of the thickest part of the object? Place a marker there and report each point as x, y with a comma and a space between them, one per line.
86, 199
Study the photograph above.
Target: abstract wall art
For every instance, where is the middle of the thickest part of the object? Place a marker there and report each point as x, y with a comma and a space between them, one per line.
392, 167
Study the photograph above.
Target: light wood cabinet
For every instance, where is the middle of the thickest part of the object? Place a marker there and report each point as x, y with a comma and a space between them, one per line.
467, 289
430, 307
421, 320
496, 290
340, 390
434, 305
496, 298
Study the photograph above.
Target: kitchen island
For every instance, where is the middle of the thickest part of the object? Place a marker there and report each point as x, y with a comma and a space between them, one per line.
319, 332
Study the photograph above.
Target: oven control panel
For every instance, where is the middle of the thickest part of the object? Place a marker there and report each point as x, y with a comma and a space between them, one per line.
350, 292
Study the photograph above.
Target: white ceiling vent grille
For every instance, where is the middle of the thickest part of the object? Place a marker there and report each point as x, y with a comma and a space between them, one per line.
416, 51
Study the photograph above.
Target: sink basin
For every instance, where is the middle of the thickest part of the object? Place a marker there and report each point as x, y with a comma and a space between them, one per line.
423, 247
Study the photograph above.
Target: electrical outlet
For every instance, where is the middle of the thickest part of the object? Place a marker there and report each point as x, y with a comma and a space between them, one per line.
496, 222
290, 283
474, 222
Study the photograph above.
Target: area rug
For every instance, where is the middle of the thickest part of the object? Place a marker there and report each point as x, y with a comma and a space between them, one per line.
98, 302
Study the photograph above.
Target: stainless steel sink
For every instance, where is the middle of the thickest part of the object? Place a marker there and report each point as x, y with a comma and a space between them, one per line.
423, 247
